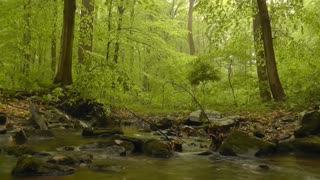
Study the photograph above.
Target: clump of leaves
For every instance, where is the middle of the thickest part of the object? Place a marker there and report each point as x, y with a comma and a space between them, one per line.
54, 96
202, 71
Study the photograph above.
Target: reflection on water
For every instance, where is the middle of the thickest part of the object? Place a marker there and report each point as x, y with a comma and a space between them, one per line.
184, 166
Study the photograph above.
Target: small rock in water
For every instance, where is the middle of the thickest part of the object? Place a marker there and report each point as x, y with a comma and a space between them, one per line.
263, 167
3, 119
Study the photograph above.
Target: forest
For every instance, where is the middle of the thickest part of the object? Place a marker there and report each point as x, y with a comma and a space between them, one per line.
160, 89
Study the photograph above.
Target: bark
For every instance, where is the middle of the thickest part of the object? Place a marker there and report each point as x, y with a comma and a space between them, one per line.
54, 38
121, 10
261, 63
109, 28
274, 81
86, 29
64, 73
190, 35
26, 39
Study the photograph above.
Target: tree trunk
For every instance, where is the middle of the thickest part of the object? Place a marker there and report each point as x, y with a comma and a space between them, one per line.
121, 10
109, 28
86, 29
261, 63
26, 39
54, 38
274, 81
64, 73
190, 35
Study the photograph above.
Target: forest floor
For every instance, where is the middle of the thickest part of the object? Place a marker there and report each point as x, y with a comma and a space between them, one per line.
274, 126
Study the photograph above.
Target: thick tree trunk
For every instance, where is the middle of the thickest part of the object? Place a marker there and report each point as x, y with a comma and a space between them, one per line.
121, 10
54, 38
190, 35
86, 29
64, 73
261, 63
274, 81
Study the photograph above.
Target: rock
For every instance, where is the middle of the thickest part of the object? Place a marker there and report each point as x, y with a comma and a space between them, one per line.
197, 118
20, 137
258, 134
38, 133
263, 167
156, 148
19, 150
111, 147
284, 136
138, 143
3, 130
106, 167
68, 148
71, 160
240, 143
222, 122
106, 132
164, 123
310, 125
300, 145
205, 153
3, 119
30, 166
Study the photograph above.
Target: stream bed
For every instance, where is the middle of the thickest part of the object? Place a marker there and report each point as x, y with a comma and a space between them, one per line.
182, 166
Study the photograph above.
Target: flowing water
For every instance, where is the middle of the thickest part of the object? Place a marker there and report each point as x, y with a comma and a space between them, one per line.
183, 166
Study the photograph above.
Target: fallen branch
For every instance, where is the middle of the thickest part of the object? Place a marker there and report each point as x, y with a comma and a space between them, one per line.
41, 122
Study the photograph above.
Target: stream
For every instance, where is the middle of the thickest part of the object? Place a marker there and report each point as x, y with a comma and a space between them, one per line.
183, 166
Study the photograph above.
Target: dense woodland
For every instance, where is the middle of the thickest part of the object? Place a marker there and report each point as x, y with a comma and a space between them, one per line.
164, 54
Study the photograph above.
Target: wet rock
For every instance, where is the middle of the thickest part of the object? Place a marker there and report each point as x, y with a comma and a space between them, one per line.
263, 167
113, 147
3, 130
3, 119
138, 143
71, 160
258, 134
240, 143
68, 148
205, 153
106, 132
20, 137
30, 166
222, 122
300, 145
284, 136
19, 150
106, 167
197, 118
38, 133
156, 148
310, 125
164, 123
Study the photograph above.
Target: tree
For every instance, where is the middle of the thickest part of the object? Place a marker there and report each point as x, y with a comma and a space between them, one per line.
121, 10
64, 72
26, 40
86, 29
274, 81
54, 38
190, 34
260, 60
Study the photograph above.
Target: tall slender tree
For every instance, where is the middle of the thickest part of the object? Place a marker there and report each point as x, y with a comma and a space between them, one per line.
275, 85
64, 72
86, 29
121, 10
54, 37
190, 24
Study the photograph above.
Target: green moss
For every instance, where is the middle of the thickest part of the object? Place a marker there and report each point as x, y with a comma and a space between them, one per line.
301, 145
240, 142
156, 148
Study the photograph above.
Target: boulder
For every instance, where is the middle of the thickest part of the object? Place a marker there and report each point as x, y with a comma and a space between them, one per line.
114, 147
71, 160
163, 123
300, 145
105, 132
138, 143
30, 166
3, 130
20, 137
310, 125
197, 118
156, 148
240, 143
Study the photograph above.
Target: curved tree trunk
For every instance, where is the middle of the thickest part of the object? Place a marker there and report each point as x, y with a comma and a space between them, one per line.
190, 34
274, 81
261, 63
64, 73
86, 29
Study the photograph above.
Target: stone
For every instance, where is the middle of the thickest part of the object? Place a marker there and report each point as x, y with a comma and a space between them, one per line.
19, 150
138, 143
105, 132
197, 118
222, 122
3, 119
240, 143
258, 134
300, 145
310, 125
164, 123
30, 166
157, 149
20, 137
3, 130
71, 160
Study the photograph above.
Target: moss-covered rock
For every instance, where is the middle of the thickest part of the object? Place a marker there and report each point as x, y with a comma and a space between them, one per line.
106, 132
300, 145
30, 166
156, 148
163, 123
138, 143
18, 150
310, 125
240, 143
71, 160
